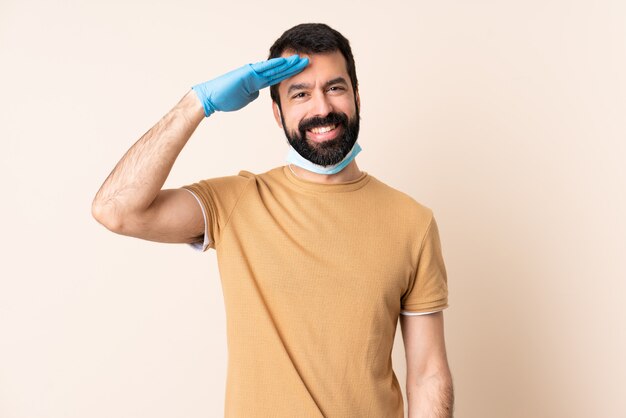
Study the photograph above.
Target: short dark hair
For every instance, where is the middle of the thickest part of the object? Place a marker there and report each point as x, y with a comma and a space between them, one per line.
313, 38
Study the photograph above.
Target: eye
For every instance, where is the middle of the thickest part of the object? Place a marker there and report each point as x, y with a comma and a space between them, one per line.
298, 95
336, 88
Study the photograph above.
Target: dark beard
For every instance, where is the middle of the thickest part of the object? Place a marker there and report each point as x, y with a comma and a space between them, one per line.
328, 152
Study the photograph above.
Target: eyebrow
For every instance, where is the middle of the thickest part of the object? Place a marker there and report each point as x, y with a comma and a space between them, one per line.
302, 86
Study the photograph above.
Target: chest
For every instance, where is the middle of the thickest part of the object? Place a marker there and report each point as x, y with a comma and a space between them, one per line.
323, 252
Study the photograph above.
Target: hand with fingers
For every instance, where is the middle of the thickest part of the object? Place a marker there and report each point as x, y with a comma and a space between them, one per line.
237, 88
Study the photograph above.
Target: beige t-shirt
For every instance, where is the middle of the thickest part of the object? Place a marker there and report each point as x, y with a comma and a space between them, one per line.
314, 277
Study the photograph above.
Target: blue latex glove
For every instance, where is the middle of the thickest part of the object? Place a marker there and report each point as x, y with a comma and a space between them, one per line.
237, 88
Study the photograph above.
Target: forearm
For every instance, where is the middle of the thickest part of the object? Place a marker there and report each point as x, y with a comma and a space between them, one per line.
130, 201
432, 397
139, 176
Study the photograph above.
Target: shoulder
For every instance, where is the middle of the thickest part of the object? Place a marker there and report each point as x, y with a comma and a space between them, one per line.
270, 179
403, 204
240, 179
220, 188
267, 176
244, 180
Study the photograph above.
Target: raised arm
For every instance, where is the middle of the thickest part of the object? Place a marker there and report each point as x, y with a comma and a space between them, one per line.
428, 381
131, 202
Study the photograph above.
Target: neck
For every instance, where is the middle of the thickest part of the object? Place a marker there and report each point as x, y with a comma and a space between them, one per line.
349, 173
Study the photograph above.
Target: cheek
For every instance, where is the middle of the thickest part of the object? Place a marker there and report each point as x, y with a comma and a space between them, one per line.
292, 120
347, 104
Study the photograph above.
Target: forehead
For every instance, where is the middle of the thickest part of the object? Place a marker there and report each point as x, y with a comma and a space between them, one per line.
321, 68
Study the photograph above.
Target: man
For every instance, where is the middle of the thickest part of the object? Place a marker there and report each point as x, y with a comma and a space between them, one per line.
317, 258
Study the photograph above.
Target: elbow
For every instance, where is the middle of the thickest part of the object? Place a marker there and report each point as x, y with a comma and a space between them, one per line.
439, 376
108, 216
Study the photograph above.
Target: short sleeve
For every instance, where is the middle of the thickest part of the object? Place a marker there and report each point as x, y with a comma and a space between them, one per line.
428, 290
218, 198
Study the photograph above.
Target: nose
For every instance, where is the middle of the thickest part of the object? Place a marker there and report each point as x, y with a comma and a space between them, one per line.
321, 104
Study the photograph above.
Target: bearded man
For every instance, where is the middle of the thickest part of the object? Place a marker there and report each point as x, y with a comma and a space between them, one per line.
318, 259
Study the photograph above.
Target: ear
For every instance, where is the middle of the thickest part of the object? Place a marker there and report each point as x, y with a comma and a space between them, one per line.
358, 100
277, 114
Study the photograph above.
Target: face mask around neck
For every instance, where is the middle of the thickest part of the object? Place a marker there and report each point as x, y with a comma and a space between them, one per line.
296, 159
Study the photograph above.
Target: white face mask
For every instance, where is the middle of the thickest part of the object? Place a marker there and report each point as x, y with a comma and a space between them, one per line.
296, 159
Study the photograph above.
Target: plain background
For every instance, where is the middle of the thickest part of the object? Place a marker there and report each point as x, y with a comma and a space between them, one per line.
504, 117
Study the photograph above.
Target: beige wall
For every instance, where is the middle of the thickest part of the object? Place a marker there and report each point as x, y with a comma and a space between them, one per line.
505, 117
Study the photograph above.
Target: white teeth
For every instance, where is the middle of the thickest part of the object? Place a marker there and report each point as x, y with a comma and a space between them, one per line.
323, 129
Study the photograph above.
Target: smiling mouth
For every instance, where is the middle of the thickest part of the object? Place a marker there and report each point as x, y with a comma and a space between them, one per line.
323, 133
323, 129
